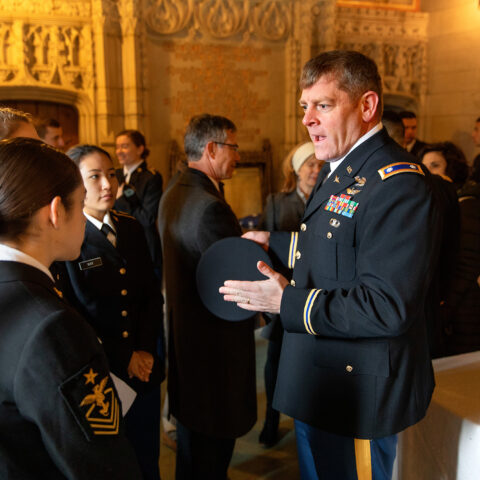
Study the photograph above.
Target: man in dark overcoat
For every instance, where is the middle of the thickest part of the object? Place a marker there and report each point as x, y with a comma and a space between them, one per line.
211, 374
355, 366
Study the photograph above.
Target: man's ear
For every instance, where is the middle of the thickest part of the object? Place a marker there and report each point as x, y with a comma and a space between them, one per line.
211, 148
369, 104
55, 212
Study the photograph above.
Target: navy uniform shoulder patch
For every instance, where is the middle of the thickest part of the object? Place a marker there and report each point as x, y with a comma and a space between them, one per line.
399, 167
91, 397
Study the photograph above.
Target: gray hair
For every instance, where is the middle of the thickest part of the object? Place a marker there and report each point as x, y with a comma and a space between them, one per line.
203, 129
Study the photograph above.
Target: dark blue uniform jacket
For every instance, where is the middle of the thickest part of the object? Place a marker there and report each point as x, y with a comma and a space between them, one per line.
355, 359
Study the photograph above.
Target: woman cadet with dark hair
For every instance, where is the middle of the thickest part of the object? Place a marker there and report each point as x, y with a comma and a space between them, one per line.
59, 410
112, 283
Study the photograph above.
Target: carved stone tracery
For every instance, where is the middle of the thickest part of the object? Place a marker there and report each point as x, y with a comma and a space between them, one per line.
267, 19
395, 40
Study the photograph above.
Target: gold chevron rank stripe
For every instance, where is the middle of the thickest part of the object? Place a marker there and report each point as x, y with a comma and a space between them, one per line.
292, 250
308, 310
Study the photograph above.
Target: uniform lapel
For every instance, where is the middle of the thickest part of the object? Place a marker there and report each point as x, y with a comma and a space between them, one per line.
344, 176
136, 172
97, 240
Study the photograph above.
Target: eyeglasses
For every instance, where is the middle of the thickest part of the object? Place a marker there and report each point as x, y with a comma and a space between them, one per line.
233, 146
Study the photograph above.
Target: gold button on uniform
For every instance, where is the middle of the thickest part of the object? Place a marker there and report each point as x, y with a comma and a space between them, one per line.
292, 282
124, 313
303, 227
349, 368
329, 235
125, 334
123, 292
123, 271
298, 255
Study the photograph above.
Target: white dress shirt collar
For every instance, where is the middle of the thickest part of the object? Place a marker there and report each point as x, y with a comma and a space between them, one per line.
106, 219
364, 138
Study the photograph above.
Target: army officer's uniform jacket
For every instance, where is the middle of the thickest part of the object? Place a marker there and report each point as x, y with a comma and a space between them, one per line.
117, 292
355, 360
60, 416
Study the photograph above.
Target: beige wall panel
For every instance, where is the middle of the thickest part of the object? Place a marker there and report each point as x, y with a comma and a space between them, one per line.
453, 91
242, 82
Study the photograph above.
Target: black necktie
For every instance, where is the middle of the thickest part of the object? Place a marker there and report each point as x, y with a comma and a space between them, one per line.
108, 231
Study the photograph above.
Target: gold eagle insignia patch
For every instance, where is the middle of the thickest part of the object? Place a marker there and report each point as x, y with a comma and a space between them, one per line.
103, 413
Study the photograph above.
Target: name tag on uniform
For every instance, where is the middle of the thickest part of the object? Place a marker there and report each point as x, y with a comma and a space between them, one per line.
92, 263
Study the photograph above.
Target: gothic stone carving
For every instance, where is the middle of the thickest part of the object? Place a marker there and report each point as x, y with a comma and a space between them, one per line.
267, 19
70, 8
36, 53
395, 40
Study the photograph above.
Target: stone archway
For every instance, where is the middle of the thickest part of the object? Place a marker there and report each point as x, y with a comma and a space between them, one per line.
84, 107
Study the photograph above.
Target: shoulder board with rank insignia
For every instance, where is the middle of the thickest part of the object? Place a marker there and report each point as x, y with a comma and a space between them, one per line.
399, 167
121, 214
92, 399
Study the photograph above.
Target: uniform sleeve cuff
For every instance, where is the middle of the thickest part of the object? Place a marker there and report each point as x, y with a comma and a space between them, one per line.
296, 309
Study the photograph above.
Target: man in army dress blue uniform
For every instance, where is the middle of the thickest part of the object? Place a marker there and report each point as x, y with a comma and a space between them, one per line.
355, 366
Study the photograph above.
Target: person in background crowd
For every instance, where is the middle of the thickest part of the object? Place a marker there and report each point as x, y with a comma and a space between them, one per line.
394, 126
50, 131
60, 416
15, 123
476, 139
410, 141
211, 367
140, 189
461, 327
447, 160
355, 365
283, 212
112, 283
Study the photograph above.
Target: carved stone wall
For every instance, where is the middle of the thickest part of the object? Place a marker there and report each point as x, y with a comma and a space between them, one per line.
46, 52
397, 41
152, 64
238, 58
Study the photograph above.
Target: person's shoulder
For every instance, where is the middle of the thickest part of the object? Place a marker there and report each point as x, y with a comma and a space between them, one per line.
122, 216
126, 222
38, 304
148, 172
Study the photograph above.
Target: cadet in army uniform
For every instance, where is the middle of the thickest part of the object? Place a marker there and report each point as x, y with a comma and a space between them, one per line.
60, 416
140, 189
355, 366
113, 285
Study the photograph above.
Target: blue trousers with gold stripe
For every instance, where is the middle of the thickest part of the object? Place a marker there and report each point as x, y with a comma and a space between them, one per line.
325, 456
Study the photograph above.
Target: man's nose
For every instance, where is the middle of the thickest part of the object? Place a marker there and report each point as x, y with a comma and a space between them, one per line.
308, 116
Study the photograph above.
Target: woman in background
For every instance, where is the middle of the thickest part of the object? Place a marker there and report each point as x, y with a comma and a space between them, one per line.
283, 212
112, 283
140, 189
59, 411
462, 319
448, 161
